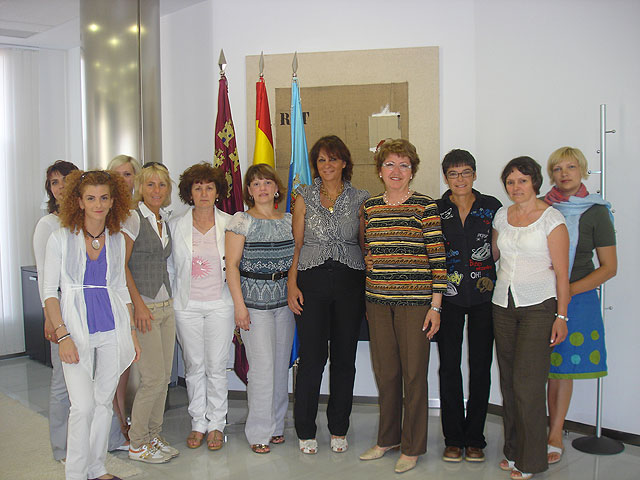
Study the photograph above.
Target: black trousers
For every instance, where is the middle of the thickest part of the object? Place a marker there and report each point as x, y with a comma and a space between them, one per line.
462, 430
332, 312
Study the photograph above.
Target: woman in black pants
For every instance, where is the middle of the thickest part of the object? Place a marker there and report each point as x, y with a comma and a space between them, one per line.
326, 290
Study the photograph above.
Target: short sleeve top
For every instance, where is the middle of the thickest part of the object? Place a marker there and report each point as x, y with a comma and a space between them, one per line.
525, 261
331, 235
268, 248
596, 230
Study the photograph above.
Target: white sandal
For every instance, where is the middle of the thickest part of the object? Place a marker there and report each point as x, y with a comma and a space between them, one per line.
308, 447
339, 444
522, 476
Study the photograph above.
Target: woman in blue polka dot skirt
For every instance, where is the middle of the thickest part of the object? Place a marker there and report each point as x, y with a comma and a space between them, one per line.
590, 225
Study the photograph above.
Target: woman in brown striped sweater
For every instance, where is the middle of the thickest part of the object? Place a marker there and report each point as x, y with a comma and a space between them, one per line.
403, 295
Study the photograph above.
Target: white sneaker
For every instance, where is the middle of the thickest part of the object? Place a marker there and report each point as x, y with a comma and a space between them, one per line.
164, 447
147, 453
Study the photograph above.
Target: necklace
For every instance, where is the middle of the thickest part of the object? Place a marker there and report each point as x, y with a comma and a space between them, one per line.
324, 192
393, 204
95, 243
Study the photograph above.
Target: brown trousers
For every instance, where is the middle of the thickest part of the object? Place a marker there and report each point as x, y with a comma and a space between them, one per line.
400, 356
522, 338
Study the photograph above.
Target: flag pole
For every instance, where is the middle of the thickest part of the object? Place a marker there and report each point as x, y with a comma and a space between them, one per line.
222, 62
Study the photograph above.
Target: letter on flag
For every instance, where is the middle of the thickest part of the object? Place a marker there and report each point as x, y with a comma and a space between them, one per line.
299, 172
226, 152
263, 152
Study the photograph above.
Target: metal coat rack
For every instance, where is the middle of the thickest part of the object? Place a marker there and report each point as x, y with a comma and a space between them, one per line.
598, 444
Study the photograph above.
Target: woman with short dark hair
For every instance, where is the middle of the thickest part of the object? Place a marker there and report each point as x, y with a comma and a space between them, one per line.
202, 302
326, 290
529, 312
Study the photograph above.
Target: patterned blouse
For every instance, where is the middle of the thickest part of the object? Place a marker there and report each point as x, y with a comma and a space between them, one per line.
405, 241
331, 235
268, 248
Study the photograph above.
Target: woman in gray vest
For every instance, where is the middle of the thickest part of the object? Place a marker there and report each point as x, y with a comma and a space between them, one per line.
148, 242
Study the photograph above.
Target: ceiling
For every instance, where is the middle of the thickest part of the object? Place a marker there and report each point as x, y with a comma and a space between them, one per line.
53, 23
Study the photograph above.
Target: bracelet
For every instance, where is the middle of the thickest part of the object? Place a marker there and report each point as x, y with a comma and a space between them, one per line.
436, 309
63, 337
56, 329
562, 317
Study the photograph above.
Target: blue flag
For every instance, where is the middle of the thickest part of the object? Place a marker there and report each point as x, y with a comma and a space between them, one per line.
299, 172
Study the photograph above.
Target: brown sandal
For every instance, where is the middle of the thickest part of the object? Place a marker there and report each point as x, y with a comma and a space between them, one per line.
277, 439
194, 440
260, 448
215, 440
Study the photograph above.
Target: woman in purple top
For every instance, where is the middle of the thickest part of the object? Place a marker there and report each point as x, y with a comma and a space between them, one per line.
92, 318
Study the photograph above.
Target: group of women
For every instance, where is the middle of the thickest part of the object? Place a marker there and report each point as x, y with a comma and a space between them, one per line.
120, 284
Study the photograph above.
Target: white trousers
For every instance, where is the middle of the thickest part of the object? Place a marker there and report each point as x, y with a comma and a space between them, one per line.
91, 408
268, 345
205, 332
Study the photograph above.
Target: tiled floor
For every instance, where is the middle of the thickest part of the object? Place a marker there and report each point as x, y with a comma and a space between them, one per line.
28, 382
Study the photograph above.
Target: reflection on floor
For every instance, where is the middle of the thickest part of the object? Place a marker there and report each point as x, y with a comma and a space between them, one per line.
28, 382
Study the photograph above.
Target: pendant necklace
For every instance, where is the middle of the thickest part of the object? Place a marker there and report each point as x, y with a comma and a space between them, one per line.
333, 200
95, 243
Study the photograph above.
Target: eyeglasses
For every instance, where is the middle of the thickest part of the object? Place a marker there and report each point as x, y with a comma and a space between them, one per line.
157, 164
402, 166
464, 174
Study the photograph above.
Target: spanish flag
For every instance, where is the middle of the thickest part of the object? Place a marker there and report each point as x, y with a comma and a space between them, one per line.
263, 152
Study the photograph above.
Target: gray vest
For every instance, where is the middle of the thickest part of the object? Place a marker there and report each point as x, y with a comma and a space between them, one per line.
148, 262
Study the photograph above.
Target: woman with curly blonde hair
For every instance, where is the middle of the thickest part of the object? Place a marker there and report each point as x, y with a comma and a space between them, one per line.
93, 318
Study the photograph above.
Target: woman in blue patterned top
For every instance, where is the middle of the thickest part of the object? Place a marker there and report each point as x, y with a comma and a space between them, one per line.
326, 290
259, 251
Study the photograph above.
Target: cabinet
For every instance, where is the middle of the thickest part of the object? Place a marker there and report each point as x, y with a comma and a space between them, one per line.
35, 344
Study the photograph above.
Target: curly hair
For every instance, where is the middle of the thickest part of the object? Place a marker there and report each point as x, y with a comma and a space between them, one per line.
400, 147
62, 167
334, 146
526, 166
72, 216
149, 170
201, 173
262, 171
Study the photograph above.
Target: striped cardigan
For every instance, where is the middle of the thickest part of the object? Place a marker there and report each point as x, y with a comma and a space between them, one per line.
406, 244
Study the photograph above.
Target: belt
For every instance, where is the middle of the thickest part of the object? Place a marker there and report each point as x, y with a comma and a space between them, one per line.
265, 276
166, 303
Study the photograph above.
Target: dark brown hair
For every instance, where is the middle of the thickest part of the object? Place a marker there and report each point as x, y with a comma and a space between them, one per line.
201, 173
72, 216
263, 171
334, 146
526, 166
62, 167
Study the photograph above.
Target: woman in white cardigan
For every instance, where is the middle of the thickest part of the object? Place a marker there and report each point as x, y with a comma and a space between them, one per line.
92, 318
202, 302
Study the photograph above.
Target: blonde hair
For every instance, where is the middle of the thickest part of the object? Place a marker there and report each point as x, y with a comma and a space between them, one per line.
145, 174
567, 153
121, 160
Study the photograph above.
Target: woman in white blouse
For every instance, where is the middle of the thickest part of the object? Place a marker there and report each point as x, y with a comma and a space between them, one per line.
202, 302
58, 397
529, 312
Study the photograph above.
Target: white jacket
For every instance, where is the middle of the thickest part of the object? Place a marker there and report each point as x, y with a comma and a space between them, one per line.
179, 263
65, 265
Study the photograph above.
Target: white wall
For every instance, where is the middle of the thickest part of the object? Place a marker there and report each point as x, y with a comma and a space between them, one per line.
516, 78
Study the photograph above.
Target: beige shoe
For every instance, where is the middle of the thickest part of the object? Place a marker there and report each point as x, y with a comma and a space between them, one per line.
376, 452
404, 464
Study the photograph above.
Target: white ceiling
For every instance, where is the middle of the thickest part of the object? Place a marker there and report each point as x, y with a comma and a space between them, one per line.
53, 23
